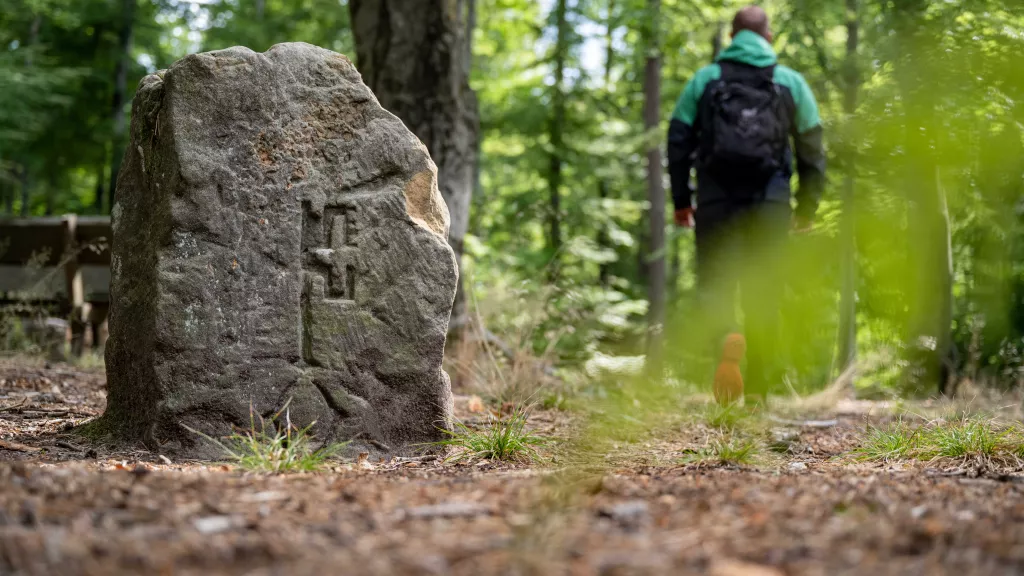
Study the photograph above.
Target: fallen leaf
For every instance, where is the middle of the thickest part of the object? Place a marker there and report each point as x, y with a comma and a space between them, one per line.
363, 461
735, 568
475, 405
448, 510
215, 524
265, 496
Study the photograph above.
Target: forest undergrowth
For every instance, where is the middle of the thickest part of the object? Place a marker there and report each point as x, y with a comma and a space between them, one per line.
684, 486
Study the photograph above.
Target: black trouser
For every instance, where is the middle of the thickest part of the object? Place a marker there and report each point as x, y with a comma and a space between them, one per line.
742, 246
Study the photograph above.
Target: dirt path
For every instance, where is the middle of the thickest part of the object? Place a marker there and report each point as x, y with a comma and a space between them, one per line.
68, 510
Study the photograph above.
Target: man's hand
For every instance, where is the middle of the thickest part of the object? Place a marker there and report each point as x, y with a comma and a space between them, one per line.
684, 218
802, 224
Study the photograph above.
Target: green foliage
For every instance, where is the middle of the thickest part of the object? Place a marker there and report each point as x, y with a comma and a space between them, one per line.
261, 24
58, 65
937, 114
504, 438
274, 446
13, 337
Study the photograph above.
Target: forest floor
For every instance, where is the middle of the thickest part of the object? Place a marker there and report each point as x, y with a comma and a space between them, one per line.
67, 508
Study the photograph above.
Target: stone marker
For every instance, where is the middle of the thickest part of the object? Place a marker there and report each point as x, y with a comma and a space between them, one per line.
278, 236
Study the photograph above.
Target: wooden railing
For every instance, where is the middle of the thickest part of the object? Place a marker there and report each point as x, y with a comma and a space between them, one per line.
60, 265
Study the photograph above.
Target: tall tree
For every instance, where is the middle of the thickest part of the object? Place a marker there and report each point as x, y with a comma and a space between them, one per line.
848, 296
25, 176
413, 55
556, 133
675, 265
655, 189
604, 270
931, 290
124, 44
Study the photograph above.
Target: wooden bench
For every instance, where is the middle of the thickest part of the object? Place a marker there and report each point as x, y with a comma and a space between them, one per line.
60, 265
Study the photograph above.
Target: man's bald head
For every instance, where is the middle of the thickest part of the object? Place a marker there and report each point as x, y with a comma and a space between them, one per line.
752, 18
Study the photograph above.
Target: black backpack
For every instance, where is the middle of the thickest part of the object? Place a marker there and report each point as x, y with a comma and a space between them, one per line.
745, 129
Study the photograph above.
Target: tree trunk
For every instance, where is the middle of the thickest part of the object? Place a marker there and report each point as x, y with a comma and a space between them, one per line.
124, 43
931, 290
847, 352
101, 178
675, 266
33, 39
470, 28
6, 192
25, 178
556, 130
413, 55
604, 268
26, 185
716, 41
655, 194
48, 199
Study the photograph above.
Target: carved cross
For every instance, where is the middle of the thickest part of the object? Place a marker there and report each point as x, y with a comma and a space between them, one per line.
337, 262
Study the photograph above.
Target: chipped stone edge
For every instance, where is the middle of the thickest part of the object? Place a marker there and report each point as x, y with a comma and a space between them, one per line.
423, 201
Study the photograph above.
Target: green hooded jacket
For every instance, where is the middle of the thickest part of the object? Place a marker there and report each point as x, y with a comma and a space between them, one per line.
749, 49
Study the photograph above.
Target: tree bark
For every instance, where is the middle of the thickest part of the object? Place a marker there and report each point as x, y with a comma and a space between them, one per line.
33, 39
675, 265
847, 347
48, 199
101, 177
413, 54
25, 178
655, 194
6, 191
716, 41
604, 269
931, 289
556, 129
26, 185
124, 42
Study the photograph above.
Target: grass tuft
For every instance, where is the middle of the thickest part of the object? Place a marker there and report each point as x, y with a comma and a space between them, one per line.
505, 438
962, 439
887, 444
730, 418
724, 451
274, 446
724, 417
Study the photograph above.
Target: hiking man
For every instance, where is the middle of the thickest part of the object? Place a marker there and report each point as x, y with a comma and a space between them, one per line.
734, 121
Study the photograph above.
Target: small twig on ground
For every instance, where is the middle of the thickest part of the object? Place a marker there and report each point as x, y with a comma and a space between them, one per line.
447, 510
805, 423
14, 406
15, 446
426, 458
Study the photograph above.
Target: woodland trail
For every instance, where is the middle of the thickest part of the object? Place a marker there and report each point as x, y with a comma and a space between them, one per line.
69, 509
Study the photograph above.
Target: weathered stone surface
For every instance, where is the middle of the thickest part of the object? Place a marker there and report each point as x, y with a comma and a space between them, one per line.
277, 235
